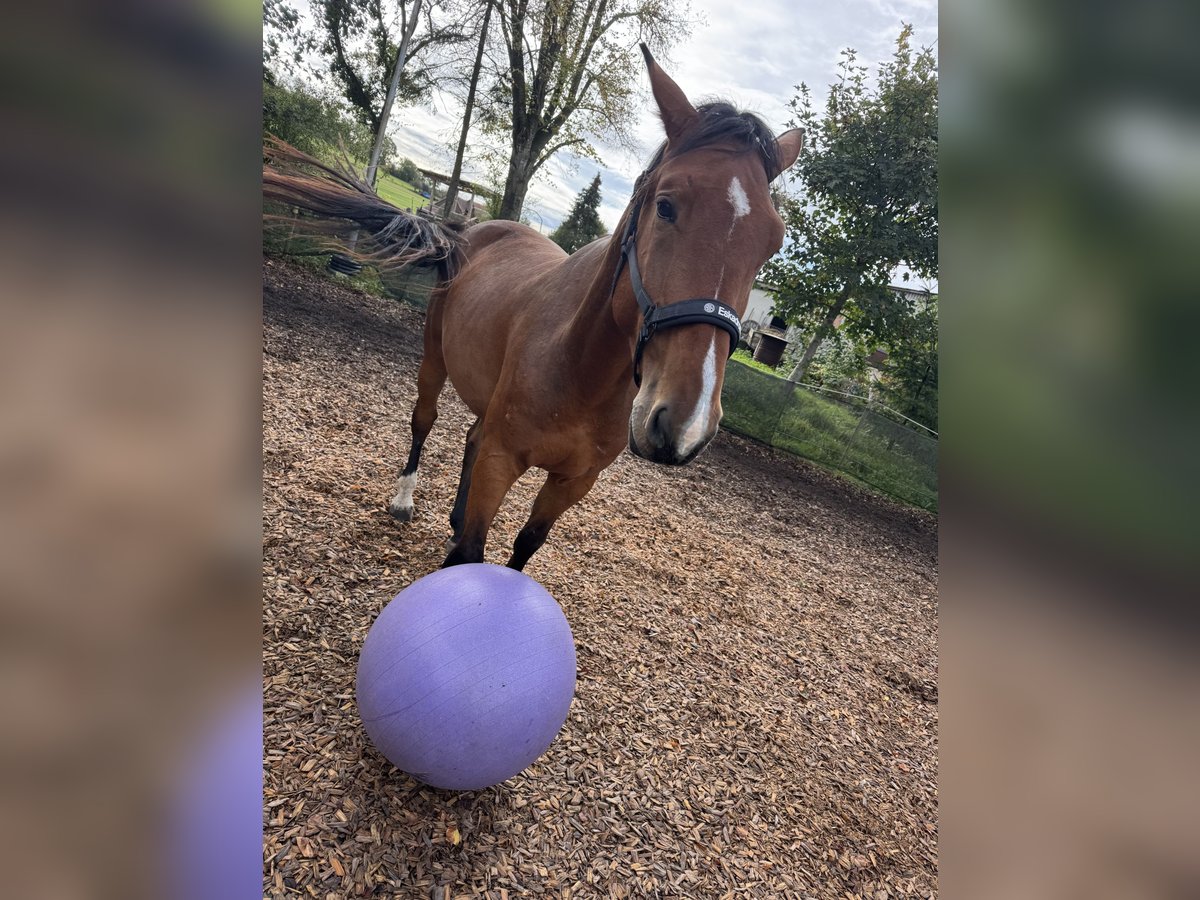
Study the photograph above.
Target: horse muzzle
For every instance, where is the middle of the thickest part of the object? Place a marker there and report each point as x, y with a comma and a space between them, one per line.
655, 436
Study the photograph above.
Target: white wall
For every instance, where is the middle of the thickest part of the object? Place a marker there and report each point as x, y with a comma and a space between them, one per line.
759, 307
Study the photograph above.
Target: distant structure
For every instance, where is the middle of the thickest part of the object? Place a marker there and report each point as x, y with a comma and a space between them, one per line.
768, 336
758, 309
466, 208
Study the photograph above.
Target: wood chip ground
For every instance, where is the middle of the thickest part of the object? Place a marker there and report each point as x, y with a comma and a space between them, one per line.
756, 708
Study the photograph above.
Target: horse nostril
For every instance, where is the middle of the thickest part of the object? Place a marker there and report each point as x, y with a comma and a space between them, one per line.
659, 429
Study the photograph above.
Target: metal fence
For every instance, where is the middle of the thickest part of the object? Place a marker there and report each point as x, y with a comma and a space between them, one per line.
413, 284
841, 433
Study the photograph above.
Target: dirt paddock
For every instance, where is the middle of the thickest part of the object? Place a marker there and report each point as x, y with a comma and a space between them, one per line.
756, 707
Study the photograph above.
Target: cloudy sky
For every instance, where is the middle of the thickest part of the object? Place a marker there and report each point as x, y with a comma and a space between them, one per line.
752, 53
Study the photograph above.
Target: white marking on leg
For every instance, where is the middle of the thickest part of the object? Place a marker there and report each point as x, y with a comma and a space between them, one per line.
696, 429
404, 491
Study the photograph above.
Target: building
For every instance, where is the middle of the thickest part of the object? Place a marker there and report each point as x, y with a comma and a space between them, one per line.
467, 208
470, 204
758, 309
759, 317
762, 301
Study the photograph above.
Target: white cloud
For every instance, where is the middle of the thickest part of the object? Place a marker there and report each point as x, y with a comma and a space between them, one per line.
751, 54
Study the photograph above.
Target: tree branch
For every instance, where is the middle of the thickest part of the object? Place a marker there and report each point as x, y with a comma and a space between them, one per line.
550, 151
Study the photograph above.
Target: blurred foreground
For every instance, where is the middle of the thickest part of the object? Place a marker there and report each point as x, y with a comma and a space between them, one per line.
1071, 210
129, 451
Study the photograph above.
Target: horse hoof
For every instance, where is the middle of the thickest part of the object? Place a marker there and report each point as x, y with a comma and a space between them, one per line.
401, 513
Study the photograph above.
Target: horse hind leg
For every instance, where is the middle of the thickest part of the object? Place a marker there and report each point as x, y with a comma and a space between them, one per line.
430, 380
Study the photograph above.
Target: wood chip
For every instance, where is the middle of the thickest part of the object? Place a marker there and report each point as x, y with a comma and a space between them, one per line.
756, 711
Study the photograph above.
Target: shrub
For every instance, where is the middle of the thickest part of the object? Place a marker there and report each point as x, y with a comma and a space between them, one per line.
315, 125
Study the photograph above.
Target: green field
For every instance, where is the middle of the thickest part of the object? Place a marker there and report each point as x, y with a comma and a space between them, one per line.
398, 193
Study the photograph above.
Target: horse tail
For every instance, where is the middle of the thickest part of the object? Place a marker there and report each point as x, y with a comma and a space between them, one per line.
394, 238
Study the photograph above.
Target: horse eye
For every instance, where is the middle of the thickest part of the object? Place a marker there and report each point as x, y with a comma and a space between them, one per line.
666, 210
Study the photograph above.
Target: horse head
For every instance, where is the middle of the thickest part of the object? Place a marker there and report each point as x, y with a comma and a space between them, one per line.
703, 224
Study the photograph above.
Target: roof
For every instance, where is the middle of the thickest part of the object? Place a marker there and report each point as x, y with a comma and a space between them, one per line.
463, 206
462, 182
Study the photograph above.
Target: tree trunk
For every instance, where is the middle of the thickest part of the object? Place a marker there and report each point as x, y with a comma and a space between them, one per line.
401, 58
452, 189
914, 407
823, 331
516, 185
810, 351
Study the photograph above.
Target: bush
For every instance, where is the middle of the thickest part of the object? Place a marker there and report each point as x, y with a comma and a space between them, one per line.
840, 363
304, 121
314, 125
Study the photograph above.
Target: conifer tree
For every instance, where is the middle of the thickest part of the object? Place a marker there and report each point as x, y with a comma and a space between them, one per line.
582, 225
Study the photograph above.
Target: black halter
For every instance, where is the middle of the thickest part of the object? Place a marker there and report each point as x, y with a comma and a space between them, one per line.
701, 310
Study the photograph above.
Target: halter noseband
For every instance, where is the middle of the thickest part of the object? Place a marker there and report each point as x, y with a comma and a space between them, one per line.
700, 310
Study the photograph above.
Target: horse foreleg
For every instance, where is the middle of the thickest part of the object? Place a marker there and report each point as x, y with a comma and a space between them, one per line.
430, 380
458, 514
495, 471
556, 497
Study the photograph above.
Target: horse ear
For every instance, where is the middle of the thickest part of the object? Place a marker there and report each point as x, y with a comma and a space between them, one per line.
677, 112
789, 144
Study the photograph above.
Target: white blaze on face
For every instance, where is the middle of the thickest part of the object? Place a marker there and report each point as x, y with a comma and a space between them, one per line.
696, 429
739, 200
741, 207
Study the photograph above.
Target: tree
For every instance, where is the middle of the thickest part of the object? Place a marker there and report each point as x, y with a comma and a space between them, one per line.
408, 29
910, 381
361, 42
868, 176
407, 170
284, 45
569, 75
582, 225
311, 123
469, 106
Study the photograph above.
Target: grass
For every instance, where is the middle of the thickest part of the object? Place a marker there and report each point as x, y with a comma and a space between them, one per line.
869, 448
744, 357
398, 193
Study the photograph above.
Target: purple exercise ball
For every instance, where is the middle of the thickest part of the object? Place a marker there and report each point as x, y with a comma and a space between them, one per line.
467, 676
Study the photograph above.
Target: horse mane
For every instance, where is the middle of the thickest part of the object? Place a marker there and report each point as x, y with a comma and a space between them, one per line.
720, 123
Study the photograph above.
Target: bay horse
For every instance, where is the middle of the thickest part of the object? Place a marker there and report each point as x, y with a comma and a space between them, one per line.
565, 360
